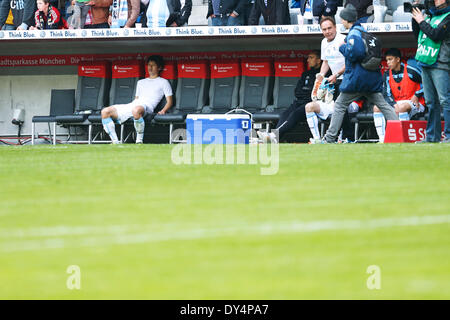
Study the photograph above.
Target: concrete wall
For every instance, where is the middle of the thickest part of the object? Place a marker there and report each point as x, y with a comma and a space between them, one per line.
32, 93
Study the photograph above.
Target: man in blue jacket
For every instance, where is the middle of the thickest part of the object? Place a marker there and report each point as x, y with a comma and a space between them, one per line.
357, 80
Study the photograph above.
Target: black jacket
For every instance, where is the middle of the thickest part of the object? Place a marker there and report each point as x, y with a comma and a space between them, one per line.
227, 7
276, 12
23, 15
305, 85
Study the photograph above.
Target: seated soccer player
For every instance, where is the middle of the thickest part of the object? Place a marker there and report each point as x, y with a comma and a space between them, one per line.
402, 89
149, 93
321, 107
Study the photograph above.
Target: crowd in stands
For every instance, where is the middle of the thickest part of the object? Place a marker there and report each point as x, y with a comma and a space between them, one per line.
79, 14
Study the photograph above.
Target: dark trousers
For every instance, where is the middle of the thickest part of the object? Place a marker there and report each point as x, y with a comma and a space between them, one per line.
291, 116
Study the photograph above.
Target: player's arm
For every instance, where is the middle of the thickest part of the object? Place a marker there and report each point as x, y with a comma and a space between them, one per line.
168, 105
415, 75
324, 68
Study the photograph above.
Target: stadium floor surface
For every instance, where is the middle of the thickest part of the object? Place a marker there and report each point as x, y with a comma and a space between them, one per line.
141, 227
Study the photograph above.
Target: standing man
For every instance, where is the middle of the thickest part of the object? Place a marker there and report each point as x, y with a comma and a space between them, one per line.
227, 12
433, 54
357, 81
334, 60
274, 12
100, 14
22, 12
149, 93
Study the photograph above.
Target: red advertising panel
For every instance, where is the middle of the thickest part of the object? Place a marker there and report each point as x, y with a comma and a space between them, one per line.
289, 68
193, 69
100, 69
225, 69
127, 69
406, 131
257, 67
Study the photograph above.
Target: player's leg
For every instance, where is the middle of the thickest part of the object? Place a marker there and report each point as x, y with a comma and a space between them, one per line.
294, 117
287, 122
139, 123
379, 122
286, 114
109, 115
311, 109
377, 99
403, 108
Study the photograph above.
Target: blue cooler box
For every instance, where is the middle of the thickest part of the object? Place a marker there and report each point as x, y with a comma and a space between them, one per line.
218, 128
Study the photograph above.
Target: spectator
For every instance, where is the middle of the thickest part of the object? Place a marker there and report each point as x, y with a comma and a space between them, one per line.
402, 89
83, 11
168, 13
247, 10
9, 24
226, 12
433, 54
320, 8
22, 12
273, 11
149, 93
124, 13
100, 14
357, 81
364, 9
48, 17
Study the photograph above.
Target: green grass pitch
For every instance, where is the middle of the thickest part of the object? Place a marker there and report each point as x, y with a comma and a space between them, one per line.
140, 227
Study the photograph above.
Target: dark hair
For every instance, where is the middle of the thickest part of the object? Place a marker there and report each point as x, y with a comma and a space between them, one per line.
331, 19
156, 59
394, 52
316, 53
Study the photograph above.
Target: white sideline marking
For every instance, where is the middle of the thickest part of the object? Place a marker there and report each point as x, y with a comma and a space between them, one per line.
119, 235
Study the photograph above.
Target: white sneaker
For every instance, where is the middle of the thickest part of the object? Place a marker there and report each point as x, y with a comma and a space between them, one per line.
267, 137
139, 141
314, 141
116, 142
